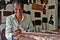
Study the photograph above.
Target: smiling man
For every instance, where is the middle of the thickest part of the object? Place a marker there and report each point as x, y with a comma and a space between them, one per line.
18, 22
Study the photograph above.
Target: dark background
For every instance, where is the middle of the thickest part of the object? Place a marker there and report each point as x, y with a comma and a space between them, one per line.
59, 14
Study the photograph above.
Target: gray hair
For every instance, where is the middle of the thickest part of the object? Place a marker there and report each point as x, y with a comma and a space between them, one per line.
17, 2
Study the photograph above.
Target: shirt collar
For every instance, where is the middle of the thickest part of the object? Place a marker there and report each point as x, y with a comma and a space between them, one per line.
13, 16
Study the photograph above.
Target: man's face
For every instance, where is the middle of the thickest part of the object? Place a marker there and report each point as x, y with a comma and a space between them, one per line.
18, 9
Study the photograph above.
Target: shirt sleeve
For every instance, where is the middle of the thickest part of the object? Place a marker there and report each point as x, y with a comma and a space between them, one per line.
30, 26
8, 31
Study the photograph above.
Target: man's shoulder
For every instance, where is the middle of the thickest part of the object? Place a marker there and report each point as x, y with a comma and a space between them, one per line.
11, 16
26, 14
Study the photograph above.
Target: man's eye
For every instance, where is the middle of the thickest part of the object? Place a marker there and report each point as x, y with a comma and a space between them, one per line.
15, 9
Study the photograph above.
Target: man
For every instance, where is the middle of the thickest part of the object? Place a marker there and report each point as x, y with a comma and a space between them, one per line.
18, 22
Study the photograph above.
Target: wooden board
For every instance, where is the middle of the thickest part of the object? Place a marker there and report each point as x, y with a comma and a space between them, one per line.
37, 7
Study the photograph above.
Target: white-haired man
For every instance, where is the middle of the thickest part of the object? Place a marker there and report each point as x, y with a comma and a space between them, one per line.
18, 22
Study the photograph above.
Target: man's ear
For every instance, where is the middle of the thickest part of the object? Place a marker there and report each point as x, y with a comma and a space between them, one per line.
14, 10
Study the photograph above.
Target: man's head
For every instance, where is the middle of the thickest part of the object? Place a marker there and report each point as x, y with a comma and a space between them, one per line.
18, 7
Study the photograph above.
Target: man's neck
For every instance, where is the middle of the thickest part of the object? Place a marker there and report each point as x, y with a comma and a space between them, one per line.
19, 18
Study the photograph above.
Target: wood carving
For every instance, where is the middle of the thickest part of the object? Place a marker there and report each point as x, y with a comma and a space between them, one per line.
37, 7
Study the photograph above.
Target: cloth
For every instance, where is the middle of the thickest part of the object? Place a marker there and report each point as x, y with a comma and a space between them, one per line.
12, 23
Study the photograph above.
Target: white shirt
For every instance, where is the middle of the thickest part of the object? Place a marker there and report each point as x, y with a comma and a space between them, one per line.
12, 23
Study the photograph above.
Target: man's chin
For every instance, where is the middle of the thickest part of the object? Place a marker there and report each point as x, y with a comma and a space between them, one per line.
20, 13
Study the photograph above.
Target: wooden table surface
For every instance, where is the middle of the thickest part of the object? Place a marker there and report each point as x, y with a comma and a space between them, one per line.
40, 36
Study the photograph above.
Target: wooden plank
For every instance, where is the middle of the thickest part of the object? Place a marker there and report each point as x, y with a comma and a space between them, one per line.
37, 7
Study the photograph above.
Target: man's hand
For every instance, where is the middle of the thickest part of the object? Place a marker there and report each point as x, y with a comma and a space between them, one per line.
16, 32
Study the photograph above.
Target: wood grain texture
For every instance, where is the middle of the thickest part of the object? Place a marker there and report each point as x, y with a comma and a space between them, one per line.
37, 7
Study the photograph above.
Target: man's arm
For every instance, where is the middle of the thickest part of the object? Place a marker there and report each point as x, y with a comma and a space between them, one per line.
30, 26
8, 31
